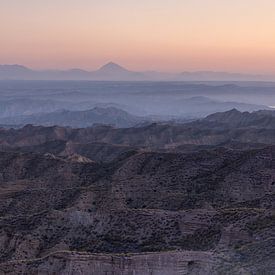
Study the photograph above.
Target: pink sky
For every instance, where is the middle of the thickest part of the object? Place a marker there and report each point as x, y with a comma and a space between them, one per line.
167, 35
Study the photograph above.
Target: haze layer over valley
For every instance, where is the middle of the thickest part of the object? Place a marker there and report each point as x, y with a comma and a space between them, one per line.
124, 104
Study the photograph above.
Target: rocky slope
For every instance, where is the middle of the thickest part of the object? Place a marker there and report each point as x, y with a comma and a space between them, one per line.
219, 129
215, 207
196, 198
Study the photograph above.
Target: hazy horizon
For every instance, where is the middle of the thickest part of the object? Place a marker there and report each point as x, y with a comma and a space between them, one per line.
174, 36
93, 68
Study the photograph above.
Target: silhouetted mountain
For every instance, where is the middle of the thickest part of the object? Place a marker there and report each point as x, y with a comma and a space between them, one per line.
112, 71
16, 72
77, 119
193, 107
235, 118
112, 68
201, 106
217, 76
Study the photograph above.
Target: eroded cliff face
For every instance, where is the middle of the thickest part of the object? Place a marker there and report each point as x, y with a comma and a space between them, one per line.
164, 263
214, 130
169, 263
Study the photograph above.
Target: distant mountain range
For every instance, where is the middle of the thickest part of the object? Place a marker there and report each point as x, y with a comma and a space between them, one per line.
49, 112
108, 116
216, 129
236, 119
114, 72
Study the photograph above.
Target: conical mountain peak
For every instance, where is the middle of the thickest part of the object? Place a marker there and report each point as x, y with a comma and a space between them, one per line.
112, 67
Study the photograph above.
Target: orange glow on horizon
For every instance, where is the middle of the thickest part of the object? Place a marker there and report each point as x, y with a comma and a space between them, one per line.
141, 35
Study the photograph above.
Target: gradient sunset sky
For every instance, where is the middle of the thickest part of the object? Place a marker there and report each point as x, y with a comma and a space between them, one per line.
166, 35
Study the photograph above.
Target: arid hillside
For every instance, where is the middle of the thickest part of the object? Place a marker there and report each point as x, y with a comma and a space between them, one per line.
194, 198
217, 201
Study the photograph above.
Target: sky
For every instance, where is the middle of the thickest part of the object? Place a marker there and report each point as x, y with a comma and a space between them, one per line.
164, 35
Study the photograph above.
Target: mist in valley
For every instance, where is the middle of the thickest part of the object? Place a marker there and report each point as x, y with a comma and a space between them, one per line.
40, 102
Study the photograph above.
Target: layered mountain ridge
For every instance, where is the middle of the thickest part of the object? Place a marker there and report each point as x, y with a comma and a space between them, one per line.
108, 116
165, 198
113, 71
